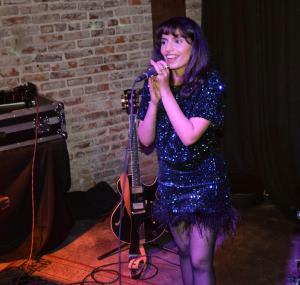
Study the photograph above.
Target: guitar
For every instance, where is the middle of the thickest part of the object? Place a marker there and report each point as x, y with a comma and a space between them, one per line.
138, 226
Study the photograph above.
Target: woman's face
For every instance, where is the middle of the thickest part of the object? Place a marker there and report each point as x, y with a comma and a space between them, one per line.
176, 52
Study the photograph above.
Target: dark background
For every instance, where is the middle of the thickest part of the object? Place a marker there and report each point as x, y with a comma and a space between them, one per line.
255, 45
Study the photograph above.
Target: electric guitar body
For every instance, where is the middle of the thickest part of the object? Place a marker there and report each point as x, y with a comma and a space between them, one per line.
153, 229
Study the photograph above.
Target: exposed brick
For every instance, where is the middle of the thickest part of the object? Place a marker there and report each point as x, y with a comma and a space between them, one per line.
93, 25
48, 57
103, 15
89, 43
108, 67
62, 6
62, 74
46, 18
74, 16
114, 57
137, 19
78, 53
113, 3
128, 29
90, 61
34, 49
127, 47
62, 46
139, 54
64, 93
96, 115
102, 77
13, 2
103, 32
76, 35
74, 27
53, 85
34, 9
134, 2
89, 70
18, 20
79, 81
63, 65
73, 101
60, 27
112, 22
127, 65
36, 68
103, 87
49, 38
139, 37
9, 11
36, 77
125, 20
78, 91
9, 83
91, 5
105, 49
45, 29
9, 72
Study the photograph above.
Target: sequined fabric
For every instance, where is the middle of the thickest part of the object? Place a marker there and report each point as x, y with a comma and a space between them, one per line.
193, 183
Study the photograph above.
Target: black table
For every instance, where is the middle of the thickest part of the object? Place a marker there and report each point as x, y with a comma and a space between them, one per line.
53, 219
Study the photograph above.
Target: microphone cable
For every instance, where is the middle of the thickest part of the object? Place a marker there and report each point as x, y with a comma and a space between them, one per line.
27, 262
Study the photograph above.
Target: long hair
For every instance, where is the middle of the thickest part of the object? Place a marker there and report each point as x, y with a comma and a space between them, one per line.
199, 62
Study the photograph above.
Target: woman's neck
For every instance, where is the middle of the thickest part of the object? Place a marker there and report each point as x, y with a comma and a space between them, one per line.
177, 78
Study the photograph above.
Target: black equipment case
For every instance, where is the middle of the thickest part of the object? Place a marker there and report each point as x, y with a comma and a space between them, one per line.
27, 121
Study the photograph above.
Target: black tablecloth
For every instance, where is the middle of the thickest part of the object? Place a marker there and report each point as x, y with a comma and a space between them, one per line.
53, 219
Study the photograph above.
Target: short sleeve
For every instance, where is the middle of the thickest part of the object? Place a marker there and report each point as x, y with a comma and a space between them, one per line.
210, 103
144, 102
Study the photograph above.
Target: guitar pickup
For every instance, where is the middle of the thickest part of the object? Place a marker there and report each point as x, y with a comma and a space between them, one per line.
137, 190
138, 206
139, 212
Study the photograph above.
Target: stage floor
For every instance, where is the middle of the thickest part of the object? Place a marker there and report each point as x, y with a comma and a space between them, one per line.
263, 253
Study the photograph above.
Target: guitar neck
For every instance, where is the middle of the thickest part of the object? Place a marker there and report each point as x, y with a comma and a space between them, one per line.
135, 168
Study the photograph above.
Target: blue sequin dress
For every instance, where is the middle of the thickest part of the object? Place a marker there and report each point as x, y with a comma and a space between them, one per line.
192, 181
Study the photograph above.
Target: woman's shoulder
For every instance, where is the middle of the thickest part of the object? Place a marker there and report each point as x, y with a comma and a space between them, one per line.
210, 82
214, 80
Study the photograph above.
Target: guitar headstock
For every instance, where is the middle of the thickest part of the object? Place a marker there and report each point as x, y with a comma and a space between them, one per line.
125, 100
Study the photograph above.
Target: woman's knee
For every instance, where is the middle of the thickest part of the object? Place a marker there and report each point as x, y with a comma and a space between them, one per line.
201, 264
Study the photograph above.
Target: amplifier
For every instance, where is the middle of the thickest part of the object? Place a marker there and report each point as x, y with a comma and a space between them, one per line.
44, 121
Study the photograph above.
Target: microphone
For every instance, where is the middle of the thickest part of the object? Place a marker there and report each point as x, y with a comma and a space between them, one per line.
146, 74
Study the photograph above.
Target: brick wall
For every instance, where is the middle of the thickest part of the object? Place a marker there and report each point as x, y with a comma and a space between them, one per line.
83, 53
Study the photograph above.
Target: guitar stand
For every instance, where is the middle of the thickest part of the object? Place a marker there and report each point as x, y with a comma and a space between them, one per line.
138, 263
111, 252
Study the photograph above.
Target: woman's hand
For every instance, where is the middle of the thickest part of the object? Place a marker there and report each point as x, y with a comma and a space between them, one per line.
154, 92
159, 83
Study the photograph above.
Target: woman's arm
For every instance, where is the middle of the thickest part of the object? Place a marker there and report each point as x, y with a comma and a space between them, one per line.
188, 130
147, 127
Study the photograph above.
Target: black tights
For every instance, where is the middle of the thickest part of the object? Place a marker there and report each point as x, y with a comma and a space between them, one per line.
196, 251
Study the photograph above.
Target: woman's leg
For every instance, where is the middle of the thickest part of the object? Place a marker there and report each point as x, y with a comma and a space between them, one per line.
202, 247
181, 238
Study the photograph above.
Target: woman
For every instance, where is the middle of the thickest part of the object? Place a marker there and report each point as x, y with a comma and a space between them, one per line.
182, 111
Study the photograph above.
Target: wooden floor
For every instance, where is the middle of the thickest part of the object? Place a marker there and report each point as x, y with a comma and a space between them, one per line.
264, 252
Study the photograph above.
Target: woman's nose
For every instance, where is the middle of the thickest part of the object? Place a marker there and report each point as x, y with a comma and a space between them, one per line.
168, 46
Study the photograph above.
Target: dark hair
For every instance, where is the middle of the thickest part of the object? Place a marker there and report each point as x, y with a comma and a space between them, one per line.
196, 69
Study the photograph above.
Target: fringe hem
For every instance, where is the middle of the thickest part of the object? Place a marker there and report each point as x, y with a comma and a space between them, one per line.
223, 223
